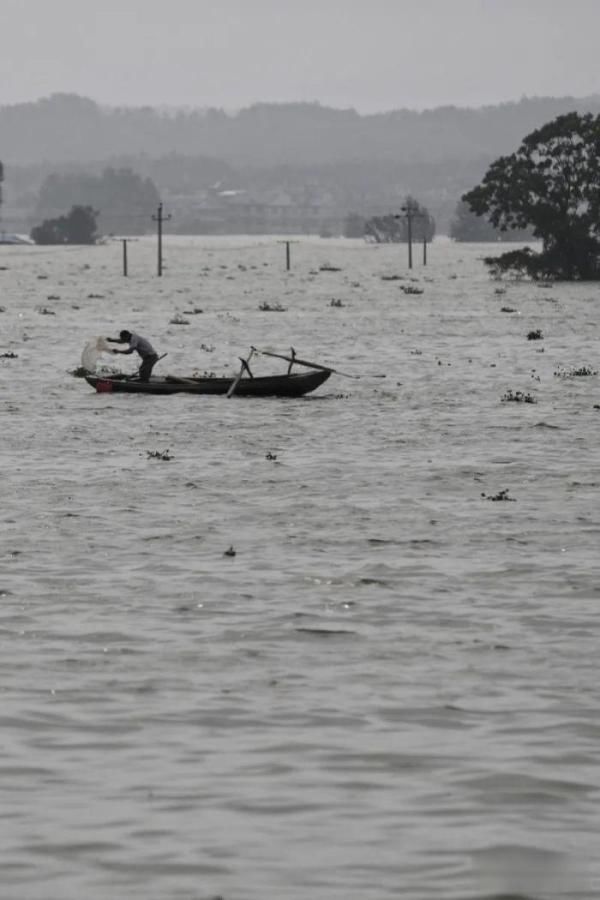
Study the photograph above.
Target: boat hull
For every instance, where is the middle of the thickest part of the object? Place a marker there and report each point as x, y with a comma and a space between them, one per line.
295, 385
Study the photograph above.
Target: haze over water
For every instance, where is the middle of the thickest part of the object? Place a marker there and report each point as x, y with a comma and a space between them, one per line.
391, 689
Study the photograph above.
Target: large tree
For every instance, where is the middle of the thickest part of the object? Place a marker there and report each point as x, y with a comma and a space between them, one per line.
551, 184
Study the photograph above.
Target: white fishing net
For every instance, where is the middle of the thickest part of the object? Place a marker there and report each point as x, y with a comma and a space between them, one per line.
92, 352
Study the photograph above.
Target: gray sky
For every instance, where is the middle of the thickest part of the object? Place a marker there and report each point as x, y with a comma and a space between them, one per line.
369, 54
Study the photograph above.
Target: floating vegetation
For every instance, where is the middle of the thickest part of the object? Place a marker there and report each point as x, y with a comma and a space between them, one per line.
230, 552
8, 355
2, 309
416, 353
500, 290
581, 372
193, 312
79, 372
271, 456
337, 303
392, 277
271, 307
518, 397
53, 297
535, 335
159, 454
507, 309
178, 320
327, 268
44, 311
207, 348
95, 296
410, 289
501, 495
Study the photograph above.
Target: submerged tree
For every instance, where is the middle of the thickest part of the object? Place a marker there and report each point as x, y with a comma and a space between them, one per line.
393, 228
551, 184
77, 227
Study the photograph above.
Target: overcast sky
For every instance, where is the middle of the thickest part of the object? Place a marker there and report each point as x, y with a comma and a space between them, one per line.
372, 55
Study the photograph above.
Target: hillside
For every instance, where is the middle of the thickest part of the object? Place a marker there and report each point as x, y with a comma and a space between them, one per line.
328, 162
69, 128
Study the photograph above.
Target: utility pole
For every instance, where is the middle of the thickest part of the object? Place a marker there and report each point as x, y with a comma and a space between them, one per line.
124, 242
411, 211
159, 218
287, 253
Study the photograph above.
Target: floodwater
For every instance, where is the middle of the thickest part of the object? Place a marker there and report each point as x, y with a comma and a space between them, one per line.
391, 689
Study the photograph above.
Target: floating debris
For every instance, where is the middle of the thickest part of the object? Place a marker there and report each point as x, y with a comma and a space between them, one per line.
327, 268
507, 309
501, 495
193, 312
178, 320
500, 290
410, 289
207, 348
581, 372
271, 307
518, 397
53, 297
159, 454
230, 552
44, 311
9, 355
95, 296
392, 277
336, 303
271, 456
535, 335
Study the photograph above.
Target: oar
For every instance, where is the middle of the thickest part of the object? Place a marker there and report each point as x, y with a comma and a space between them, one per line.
237, 380
304, 362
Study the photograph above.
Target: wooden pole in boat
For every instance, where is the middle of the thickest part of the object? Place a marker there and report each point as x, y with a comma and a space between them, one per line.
304, 362
238, 377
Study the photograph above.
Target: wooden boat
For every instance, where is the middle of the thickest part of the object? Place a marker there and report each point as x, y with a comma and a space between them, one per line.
290, 385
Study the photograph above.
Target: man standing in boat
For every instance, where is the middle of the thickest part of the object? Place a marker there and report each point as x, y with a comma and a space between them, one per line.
142, 346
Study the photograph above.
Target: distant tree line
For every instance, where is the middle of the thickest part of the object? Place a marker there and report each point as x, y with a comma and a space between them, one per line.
466, 227
77, 227
123, 199
68, 127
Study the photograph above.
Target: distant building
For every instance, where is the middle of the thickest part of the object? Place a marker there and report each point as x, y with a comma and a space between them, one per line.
6, 238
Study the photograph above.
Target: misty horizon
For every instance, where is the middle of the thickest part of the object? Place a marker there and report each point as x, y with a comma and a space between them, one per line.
386, 56
174, 108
